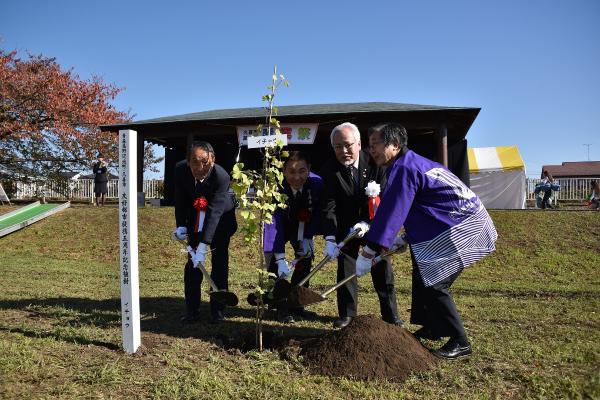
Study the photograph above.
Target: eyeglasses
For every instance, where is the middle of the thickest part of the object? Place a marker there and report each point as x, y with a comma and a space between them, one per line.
346, 146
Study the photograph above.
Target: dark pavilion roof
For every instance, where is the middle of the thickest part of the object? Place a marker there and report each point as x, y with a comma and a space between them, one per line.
292, 111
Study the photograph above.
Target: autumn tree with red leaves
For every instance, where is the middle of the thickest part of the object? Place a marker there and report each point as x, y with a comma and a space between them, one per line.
49, 118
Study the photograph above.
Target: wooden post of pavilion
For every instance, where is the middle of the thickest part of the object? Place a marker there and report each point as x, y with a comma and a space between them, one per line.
442, 141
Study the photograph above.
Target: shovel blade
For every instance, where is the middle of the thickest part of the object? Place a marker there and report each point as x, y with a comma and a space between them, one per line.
301, 296
224, 297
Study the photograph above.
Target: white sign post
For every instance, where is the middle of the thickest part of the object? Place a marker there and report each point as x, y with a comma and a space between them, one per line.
128, 234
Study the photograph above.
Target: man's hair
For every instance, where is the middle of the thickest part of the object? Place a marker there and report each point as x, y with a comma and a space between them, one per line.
296, 155
353, 128
207, 147
391, 133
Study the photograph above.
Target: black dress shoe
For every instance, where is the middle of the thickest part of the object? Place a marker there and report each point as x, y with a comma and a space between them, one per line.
454, 349
286, 319
425, 333
189, 319
342, 322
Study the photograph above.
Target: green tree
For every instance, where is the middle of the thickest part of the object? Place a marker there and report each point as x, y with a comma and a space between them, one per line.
258, 211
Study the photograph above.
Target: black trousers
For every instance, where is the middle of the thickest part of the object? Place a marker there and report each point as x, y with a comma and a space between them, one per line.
300, 271
382, 276
433, 306
546, 199
192, 277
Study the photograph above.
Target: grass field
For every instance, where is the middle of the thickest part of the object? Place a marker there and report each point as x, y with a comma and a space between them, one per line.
532, 310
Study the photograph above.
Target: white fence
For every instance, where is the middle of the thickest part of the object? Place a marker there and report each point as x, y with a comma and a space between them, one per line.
571, 189
79, 189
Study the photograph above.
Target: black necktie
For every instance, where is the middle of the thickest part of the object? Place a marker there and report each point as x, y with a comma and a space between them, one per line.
352, 174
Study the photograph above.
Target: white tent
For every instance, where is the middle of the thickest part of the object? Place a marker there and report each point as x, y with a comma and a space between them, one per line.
498, 176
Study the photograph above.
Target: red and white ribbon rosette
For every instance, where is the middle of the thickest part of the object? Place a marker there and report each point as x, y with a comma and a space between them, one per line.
303, 218
200, 205
372, 190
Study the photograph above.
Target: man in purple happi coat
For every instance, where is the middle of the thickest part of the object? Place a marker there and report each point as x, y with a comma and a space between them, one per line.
446, 225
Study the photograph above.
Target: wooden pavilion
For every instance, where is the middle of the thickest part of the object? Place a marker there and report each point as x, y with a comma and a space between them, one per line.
436, 132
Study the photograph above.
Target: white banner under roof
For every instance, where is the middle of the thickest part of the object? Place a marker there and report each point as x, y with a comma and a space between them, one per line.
296, 133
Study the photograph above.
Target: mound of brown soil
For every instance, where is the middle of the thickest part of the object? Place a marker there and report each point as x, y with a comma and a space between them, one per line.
302, 296
368, 348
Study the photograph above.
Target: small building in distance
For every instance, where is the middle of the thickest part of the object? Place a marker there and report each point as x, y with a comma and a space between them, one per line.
573, 169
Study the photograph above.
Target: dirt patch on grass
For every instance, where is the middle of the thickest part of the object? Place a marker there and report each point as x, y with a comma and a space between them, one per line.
368, 348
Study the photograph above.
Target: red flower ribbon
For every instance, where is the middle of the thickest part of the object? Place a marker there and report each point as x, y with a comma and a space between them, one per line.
200, 205
304, 215
373, 204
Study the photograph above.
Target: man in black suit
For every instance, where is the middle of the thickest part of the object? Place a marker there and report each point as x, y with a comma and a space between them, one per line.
205, 216
345, 204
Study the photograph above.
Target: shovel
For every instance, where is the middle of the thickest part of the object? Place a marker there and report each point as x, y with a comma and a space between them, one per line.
293, 292
303, 296
280, 289
221, 296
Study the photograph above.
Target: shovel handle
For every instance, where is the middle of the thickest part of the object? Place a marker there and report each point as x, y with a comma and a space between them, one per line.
391, 251
201, 267
316, 269
326, 259
208, 278
349, 278
338, 285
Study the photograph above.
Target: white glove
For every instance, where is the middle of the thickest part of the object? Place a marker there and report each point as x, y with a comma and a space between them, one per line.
180, 233
331, 248
362, 228
364, 262
306, 247
400, 243
283, 269
200, 256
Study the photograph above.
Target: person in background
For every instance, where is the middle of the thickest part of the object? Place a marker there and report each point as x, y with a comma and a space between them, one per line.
447, 228
296, 224
345, 207
205, 217
595, 195
100, 180
547, 181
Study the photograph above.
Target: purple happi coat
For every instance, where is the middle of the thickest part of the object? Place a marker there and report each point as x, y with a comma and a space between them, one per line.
447, 226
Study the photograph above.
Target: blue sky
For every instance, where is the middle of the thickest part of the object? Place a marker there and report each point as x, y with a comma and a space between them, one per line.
532, 66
